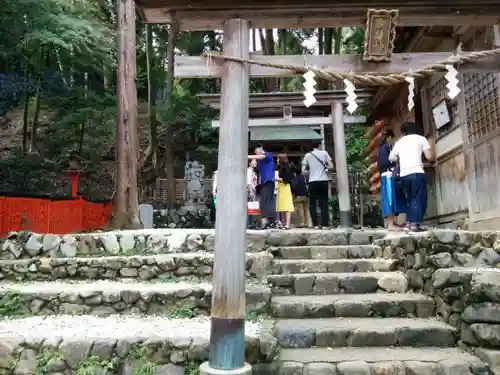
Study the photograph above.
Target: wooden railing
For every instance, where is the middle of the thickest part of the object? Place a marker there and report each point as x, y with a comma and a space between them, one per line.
51, 216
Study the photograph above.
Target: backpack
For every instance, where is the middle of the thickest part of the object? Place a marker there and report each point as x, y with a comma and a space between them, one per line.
293, 183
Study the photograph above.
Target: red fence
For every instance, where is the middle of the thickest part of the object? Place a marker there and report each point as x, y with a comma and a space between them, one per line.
46, 216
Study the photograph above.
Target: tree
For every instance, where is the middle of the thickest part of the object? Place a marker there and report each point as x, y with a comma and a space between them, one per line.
126, 201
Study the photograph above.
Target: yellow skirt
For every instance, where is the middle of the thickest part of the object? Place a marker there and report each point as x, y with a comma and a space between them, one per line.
284, 199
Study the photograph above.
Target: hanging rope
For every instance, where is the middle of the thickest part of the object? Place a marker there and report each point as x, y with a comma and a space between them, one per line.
370, 79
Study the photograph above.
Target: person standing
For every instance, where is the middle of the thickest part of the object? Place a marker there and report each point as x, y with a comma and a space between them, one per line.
284, 201
317, 163
407, 151
299, 190
391, 199
214, 197
265, 188
251, 187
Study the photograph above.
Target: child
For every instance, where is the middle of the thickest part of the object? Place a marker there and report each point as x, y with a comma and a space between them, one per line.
299, 190
284, 199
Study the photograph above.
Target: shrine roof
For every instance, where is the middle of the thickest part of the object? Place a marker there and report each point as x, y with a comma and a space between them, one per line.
294, 99
211, 14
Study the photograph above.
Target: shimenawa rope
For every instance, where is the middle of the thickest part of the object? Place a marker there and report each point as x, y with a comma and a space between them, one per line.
370, 79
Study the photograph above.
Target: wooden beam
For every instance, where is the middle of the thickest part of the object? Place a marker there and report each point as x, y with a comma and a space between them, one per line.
294, 99
331, 16
296, 121
203, 67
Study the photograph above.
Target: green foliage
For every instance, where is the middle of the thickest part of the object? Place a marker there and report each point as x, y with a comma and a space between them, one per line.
12, 305
353, 40
184, 310
191, 123
93, 365
46, 358
70, 29
252, 316
192, 368
355, 146
91, 113
146, 368
143, 365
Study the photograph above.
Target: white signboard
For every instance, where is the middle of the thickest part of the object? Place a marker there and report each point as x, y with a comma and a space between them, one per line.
441, 114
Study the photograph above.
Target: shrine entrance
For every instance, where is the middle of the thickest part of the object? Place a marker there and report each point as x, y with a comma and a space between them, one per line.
379, 66
282, 122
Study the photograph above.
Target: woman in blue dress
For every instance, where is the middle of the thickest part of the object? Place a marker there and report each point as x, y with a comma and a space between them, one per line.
391, 196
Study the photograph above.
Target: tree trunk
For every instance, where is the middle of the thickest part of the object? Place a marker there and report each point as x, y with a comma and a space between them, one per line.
337, 36
337, 41
328, 41
327, 36
271, 83
152, 151
169, 151
126, 204
321, 41
282, 47
262, 41
26, 110
212, 44
36, 115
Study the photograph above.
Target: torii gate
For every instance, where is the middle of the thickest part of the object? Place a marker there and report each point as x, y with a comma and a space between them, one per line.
227, 349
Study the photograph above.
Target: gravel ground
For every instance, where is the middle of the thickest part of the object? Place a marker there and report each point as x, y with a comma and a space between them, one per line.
111, 327
98, 286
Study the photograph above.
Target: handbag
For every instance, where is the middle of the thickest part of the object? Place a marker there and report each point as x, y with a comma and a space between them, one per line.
253, 208
320, 161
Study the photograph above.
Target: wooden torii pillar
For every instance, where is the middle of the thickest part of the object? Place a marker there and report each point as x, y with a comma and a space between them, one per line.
227, 336
341, 164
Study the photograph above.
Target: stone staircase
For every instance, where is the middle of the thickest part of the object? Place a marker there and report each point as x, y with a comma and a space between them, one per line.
343, 310
332, 303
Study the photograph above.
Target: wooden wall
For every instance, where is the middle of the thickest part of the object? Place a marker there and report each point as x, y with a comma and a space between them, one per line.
466, 179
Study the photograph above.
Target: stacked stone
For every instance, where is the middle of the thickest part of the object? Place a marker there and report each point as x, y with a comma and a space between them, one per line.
333, 303
469, 298
419, 256
183, 217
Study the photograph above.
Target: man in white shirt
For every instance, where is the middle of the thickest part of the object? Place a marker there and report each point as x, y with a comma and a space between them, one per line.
316, 164
407, 151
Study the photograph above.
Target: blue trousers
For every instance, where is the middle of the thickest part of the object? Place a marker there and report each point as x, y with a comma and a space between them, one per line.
416, 197
392, 199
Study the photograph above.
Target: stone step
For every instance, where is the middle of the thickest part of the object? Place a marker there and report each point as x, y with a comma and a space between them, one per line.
287, 266
25, 244
334, 283
367, 361
355, 332
146, 267
105, 298
72, 344
353, 305
491, 357
327, 252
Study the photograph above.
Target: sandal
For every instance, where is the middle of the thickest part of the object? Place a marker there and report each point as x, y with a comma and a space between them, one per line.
394, 229
416, 229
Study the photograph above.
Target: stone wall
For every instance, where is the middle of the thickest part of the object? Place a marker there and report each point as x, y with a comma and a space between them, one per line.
150, 267
182, 217
420, 255
174, 351
182, 300
26, 244
459, 270
469, 299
